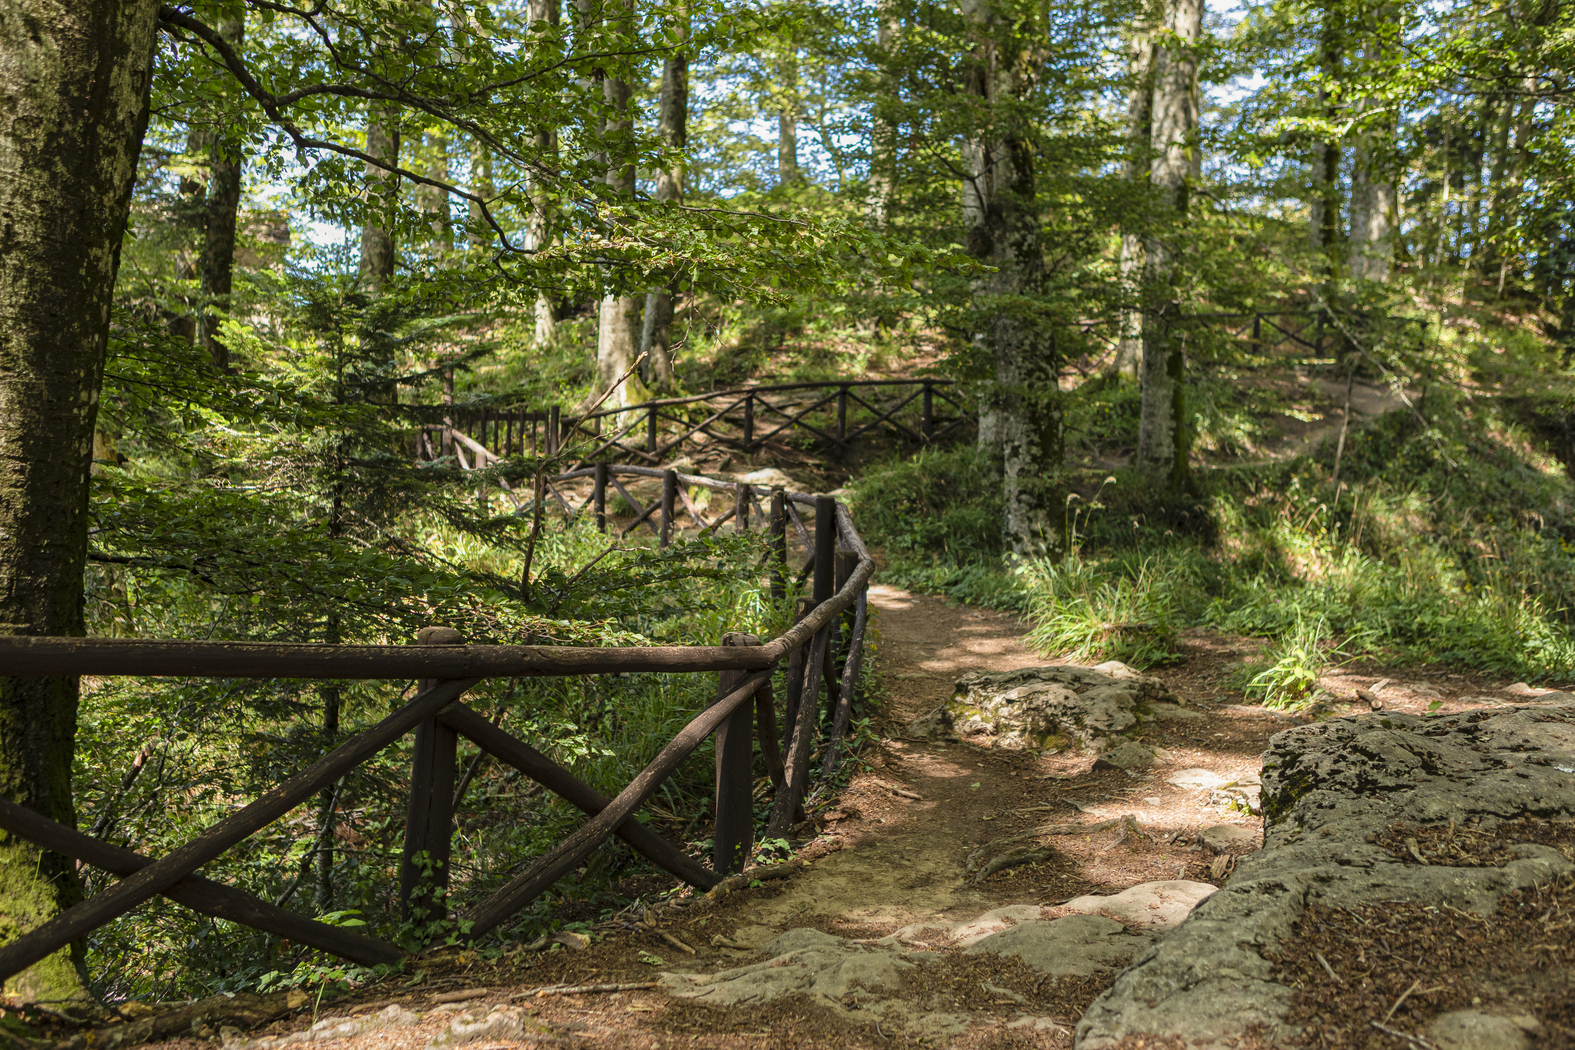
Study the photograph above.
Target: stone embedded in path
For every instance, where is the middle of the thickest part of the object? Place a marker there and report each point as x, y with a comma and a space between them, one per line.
1222, 838
1074, 946
1471, 1030
1327, 787
1159, 905
505, 1024
1128, 755
1041, 707
1199, 779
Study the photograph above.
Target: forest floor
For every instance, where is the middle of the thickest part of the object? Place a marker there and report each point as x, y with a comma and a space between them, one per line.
889, 852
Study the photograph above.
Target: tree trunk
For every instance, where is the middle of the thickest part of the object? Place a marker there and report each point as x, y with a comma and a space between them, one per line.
883, 132
1162, 434
673, 125
538, 223
1140, 108
75, 80
618, 334
1374, 207
218, 243
377, 242
435, 201
1000, 206
787, 118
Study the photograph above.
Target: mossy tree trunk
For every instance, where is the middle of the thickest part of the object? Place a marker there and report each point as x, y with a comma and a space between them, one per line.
1162, 430
74, 80
999, 205
656, 337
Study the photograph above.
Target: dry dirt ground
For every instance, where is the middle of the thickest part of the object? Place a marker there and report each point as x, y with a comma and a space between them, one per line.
890, 851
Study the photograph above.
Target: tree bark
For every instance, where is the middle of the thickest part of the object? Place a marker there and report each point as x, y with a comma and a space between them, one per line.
435, 201
883, 132
673, 126
1162, 434
382, 187
538, 223
75, 77
787, 117
1140, 110
218, 242
1000, 203
618, 333
1374, 206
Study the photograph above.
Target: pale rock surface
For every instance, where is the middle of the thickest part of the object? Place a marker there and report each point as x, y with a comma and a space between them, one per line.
1470, 1030
1326, 787
1073, 946
1128, 755
1038, 707
1201, 779
1158, 905
505, 1024
330, 1029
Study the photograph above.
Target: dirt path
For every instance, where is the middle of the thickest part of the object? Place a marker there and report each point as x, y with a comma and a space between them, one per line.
888, 853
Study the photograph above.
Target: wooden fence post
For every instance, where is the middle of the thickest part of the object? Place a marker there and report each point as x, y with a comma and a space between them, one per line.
1257, 333
650, 429
825, 548
669, 497
734, 837
842, 420
429, 821
448, 415
778, 552
927, 414
599, 496
552, 430
749, 422
740, 508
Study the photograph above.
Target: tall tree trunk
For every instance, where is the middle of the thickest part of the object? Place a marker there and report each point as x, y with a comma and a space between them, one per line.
218, 243
656, 337
382, 187
538, 223
75, 78
618, 335
1140, 109
1162, 430
435, 201
787, 118
1000, 205
1374, 206
883, 131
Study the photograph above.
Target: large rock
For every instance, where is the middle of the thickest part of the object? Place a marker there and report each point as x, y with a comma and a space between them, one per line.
1043, 707
1074, 946
1156, 905
1327, 788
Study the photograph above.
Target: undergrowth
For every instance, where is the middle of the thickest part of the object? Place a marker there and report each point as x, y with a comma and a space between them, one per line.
1448, 540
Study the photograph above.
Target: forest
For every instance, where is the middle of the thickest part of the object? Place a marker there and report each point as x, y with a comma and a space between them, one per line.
1253, 320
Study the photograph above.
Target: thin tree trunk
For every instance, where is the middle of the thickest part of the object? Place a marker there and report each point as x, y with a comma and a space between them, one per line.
435, 201
1162, 435
218, 247
1140, 108
883, 132
787, 118
75, 79
538, 222
382, 187
618, 334
656, 337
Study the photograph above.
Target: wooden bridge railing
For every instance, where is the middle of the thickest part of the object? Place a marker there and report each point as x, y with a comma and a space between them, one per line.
744, 419
823, 647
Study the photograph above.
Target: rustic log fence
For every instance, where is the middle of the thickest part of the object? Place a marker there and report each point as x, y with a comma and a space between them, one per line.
835, 413
823, 649
1319, 332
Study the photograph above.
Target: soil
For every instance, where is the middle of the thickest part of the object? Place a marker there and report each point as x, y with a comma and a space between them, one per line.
890, 851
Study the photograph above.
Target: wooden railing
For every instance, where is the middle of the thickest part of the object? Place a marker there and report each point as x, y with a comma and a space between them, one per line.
823, 647
1318, 331
745, 419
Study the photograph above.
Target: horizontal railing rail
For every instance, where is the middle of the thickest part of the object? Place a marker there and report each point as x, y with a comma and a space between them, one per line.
742, 418
822, 649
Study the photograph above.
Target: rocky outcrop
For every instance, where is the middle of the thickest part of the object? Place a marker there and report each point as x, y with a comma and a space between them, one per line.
1095, 708
1331, 791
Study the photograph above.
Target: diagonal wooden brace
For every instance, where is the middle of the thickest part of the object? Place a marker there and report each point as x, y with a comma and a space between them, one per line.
165, 872
200, 894
510, 749
568, 854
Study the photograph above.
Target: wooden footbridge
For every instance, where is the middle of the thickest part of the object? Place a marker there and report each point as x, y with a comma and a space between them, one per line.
814, 665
